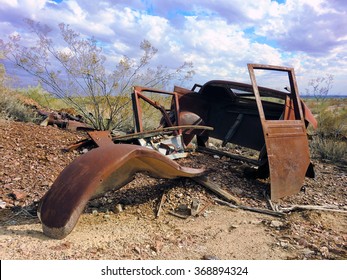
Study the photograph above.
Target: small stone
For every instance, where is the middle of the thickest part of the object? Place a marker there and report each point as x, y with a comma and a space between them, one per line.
237, 191
95, 212
216, 156
324, 251
137, 250
232, 227
2, 204
303, 242
118, 208
84, 151
307, 252
107, 217
284, 244
195, 207
210, 257
276, 224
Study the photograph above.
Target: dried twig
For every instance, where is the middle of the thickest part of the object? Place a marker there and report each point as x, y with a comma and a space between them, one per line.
311, 207
203, 209
273, 206
258, 210
23, 212
162, 200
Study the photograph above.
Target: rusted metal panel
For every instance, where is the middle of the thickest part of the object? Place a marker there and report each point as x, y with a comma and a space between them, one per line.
286, 140
101, 138
108, 167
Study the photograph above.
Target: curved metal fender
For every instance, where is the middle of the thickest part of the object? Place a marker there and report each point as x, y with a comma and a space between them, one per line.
92, 174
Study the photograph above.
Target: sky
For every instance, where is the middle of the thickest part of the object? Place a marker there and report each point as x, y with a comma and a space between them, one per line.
219, 36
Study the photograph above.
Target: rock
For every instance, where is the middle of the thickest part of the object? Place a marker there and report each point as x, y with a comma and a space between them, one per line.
324, 251
276, 224
2, 204
195, 207
216, 156
118, 208
232, 227
137, 250
303, 242
284, 244
210, 257
237, 191
307, 252
158, 246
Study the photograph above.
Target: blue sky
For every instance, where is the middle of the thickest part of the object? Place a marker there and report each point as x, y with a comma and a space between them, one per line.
219, 37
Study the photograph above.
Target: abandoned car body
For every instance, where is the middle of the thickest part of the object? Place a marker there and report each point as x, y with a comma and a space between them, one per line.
230, 111
239, 114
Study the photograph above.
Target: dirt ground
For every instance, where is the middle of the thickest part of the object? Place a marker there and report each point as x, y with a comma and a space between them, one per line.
32, 157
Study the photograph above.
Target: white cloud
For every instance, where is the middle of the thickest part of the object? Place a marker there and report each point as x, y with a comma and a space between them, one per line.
220, 37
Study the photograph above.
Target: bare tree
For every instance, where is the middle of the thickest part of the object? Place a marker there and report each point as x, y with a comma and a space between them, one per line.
77, 74
320, 86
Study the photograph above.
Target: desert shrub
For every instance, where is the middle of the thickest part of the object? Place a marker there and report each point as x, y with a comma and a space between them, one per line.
330, 149
332, 123
330, 139
12, 108
74, 69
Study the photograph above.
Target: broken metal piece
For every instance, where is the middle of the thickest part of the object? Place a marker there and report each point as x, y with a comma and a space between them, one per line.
101, 138
63, 120
108, 167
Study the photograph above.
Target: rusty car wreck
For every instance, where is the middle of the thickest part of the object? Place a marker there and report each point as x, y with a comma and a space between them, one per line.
233, 112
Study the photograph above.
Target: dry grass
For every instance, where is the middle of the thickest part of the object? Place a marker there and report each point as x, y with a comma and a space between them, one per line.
330, 139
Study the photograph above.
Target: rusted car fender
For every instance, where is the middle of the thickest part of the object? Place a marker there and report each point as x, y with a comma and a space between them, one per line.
108, 167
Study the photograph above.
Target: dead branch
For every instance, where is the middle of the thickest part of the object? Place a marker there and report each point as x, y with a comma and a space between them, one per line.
162, 200
310, 207
248, 208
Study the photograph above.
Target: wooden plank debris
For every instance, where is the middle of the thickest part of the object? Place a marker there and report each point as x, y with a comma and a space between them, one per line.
205, 182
